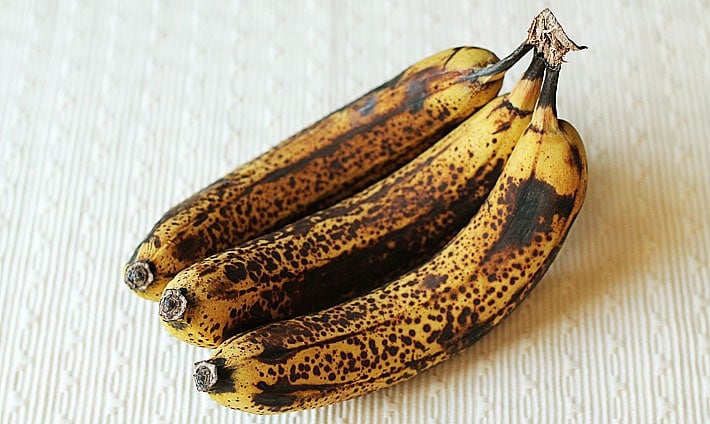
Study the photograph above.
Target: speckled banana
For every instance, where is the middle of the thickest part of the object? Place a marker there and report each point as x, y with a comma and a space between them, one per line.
326, 162
430, 313
358, 244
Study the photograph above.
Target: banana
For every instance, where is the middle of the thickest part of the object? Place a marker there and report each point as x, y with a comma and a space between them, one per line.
430, 313
359, 243
324, 163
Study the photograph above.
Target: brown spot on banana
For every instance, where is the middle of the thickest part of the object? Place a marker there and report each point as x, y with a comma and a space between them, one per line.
420, 319
534, 201
359, 243
322, 164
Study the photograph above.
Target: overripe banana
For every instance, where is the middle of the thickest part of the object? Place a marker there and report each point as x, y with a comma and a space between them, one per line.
430, 313
333, 158
358, 244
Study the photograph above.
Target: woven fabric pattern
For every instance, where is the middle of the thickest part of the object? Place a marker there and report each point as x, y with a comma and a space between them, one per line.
113, 111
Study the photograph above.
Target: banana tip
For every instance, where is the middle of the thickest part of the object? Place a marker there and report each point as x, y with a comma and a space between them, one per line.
172, 305
138, 275
204, 375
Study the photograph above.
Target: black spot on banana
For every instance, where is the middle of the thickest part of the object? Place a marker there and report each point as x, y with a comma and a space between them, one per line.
324, 163
359, 243
430, 313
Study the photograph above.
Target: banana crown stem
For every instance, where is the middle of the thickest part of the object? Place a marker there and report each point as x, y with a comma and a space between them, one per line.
550, 39
138, 275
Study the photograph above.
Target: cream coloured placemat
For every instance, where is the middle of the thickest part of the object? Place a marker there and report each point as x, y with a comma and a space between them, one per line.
112, 111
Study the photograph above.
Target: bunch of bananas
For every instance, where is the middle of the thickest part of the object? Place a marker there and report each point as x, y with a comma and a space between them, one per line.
377, 242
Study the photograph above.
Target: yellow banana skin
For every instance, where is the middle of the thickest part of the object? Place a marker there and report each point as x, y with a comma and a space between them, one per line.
326, 162
359, 243
436, 310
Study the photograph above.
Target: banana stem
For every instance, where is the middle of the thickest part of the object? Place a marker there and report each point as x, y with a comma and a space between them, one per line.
548, 95
546, 35
526, 92
535, 69
545, 114
499, 68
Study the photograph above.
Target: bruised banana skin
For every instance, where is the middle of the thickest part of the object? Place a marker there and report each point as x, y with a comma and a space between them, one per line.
421, 319
359, 243
328, 161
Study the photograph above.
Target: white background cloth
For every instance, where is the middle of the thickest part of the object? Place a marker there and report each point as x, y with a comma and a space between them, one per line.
113, 111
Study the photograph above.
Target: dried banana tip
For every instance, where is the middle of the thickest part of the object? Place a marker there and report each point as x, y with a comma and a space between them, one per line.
138, 276
172, 305
548, 37
204, 375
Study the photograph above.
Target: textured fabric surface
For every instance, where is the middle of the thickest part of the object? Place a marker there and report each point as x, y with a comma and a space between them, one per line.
111, 112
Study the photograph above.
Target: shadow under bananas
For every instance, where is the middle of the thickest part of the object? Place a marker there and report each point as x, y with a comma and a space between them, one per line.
612, 250
619, 247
